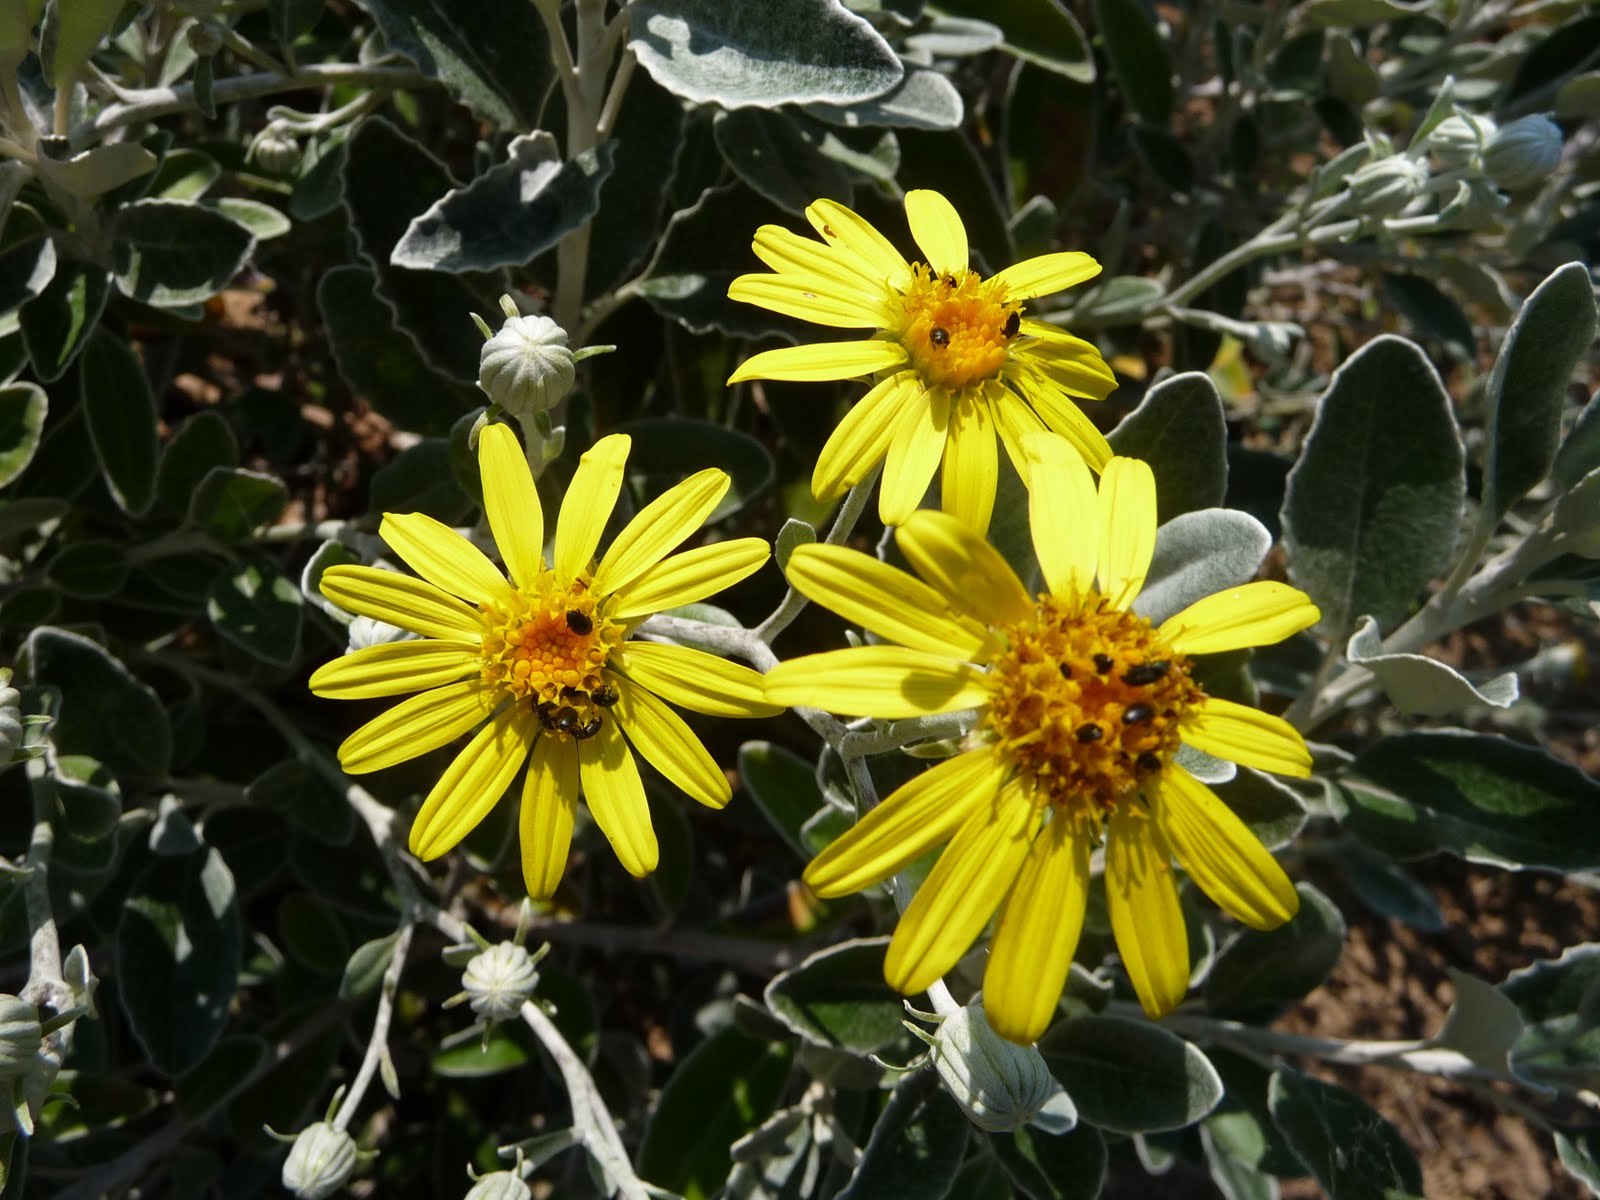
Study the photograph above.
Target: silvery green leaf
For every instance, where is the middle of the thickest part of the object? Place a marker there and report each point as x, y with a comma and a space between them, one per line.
1383, 885
96, 172
1207, 768
27, 258
1261, 970
1483, 1023
1542, 349
1138, 57
1122, 298
837, 999
1180, 429
513, 212
1420, 686
1272, 810
169, 253
1131, 1076
765, 55
1352, 14
780, 158
258, 609
1042, 32
879, 162
22, 411
56, 323
492, 55
1374, 505
954, 37
1199, 554
916, 1145
260, 219
924, 99
1346, 1146
122, 419
1580, 449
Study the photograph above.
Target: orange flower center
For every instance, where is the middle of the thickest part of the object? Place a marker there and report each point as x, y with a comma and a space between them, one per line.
549, 646
1089, 701
956, 327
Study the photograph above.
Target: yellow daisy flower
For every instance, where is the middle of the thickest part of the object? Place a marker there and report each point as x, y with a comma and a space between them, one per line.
955, 360
1082, 705
541, 663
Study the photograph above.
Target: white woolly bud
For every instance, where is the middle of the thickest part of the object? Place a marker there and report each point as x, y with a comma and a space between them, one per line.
1459, 139
1523, 153
999, 1084
499, 980
502, 1185
1384, 187
527, 367
320, 1163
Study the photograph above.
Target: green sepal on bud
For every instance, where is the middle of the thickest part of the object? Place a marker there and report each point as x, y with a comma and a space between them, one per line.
1523, 153
320, 1162
1000, 1085
501, 1185
527, 367
1384, 187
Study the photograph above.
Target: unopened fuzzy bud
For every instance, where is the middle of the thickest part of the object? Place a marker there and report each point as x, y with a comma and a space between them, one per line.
320, 1162
502, 1185
527, 367
275, 150
1384, 187
20, 1036
204, 38
10, 718
999, 1084
500, 980
1459, 139
1523, 153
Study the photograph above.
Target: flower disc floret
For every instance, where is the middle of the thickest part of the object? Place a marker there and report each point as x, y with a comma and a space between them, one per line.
1088, 702
956, 326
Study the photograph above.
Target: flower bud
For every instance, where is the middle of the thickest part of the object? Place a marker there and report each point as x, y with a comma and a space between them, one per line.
20, 1036
1523, 153
1384, 187
204, 39
527, 367
499, 980
320, 1163
502, 1185
275, 150
1458, 140
10, 718
999, 1084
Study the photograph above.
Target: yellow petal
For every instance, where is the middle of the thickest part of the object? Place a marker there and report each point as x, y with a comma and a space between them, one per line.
937, 229
878, 681
845, 230
1247, 736
1016, 422
1069, 364
511, 502
658, 527
964, 569
417, 725
971, 463
1062, 415
884, 600
587, 506
789, 253
670, 746
918, 816
695, 680
473, 783
394, 667
860, 441
690, 576
807, 300
1061, 514
616, 798
1126, 518
1255, 614
962, 891
413, 604
549, 805
1220, 853
1037, 933
1046, 274
913, 456
1145, 916
822, 361
443, 557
